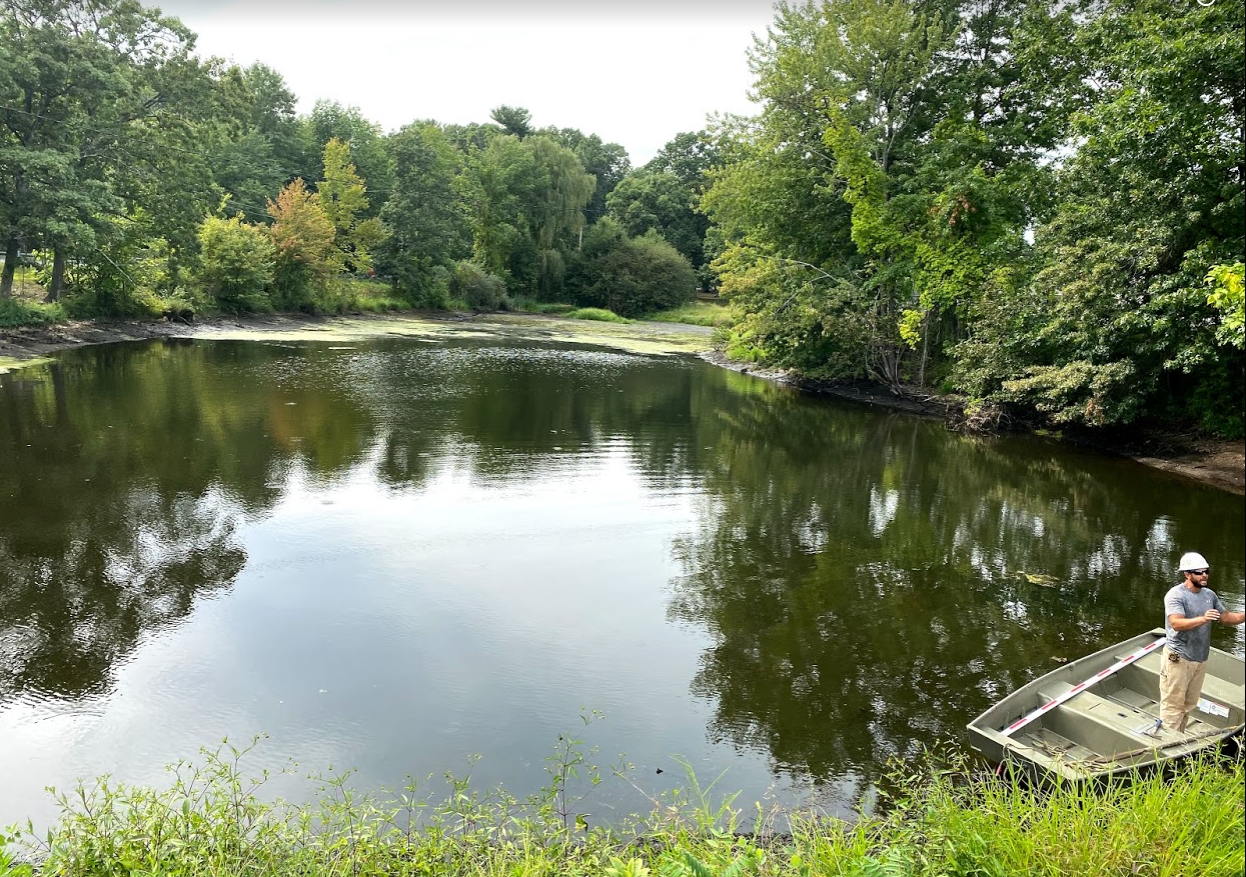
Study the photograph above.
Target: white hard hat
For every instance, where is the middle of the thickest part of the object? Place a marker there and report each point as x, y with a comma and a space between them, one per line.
1192, 560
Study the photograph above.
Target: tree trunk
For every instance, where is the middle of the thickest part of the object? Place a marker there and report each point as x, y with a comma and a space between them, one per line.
58, 276
10, 267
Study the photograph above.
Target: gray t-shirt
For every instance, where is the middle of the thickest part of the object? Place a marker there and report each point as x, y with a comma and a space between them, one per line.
1193, 645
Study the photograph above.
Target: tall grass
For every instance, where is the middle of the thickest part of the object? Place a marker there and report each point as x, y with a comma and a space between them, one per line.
945, 819
362, 296
1190, 823
526, 305
600, 315
696, 313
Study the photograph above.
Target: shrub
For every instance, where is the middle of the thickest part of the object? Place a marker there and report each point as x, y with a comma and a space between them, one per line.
599, 314
237, 261
358, 295
476, 287
306, 256
422, 284
637, 276
697, 313
530, 306
18, 312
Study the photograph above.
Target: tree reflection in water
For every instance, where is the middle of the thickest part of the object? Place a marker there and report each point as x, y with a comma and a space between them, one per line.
861, 576
864, 576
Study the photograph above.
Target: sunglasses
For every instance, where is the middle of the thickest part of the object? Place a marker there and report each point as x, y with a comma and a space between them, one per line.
1200, 572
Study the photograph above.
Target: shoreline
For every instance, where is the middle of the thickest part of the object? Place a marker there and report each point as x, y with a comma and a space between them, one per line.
1219, 463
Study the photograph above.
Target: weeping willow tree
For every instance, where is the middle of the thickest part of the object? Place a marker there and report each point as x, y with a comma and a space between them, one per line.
558, 217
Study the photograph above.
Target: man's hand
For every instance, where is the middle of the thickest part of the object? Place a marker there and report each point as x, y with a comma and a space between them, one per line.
1212, 615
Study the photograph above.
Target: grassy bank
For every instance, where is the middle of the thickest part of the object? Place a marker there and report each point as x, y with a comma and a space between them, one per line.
944, 820
714, 314
26, 307
15, 312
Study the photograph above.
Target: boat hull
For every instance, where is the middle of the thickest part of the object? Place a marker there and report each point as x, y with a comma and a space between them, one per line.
1104, 725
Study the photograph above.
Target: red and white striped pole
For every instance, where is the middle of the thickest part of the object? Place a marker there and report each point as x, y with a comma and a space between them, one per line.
1098, 677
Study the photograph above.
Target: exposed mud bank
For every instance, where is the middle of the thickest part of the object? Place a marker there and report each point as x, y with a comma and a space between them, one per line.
1217, 462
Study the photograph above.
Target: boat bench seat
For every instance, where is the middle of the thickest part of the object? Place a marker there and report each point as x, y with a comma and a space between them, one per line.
1107, 725
1123, 715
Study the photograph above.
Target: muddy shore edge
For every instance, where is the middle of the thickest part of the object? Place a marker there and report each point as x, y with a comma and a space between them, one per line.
1220, 463
1217, 462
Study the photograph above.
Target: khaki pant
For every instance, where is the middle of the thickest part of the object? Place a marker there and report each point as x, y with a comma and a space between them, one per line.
1180, 685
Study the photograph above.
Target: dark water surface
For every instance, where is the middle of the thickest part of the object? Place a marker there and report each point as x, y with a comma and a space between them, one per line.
393, 556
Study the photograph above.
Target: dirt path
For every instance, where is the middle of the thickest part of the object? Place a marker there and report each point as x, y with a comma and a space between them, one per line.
1221, 463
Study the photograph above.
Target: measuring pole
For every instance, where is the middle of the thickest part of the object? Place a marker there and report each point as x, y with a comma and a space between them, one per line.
1077, 689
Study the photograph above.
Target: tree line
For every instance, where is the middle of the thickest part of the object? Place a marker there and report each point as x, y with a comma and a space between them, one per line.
1037, 205
143, 176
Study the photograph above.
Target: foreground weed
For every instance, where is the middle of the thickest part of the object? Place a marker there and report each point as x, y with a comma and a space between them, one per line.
1189, 823
942, 818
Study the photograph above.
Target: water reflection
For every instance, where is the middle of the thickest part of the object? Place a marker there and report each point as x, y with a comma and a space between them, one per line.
461, 544
872, 581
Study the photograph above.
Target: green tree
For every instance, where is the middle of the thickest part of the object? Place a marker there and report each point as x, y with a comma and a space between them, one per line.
425, 214
237, 263
649, 199
635, 276
557, 215
165, 171
263, 146
329, 120
477, 289
878, 198
786, 259
1229, 297
344, 199
1150, 198
273, 115
499, 185
79, 81
514, 120
607, 162
689, 156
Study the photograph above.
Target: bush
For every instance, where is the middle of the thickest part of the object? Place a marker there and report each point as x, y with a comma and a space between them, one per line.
358, 295
697, 313
237, 263
637, 276
529, 306
599, 314
476, 287
297, 287
18, 312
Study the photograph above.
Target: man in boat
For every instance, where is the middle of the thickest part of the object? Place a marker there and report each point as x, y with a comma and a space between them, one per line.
1190, 609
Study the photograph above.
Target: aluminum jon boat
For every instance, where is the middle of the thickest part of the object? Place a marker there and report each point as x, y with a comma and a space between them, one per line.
1099, 715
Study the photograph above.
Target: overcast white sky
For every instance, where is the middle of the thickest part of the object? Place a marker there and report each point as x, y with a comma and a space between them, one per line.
635, 74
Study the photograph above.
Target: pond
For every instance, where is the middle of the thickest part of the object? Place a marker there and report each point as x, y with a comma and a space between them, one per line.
396, 556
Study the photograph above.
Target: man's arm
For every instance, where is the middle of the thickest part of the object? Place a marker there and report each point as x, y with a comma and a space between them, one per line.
1227, 617
1180, 622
